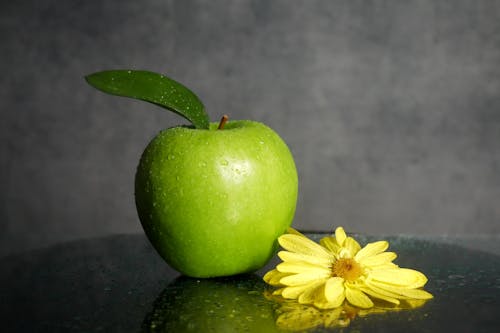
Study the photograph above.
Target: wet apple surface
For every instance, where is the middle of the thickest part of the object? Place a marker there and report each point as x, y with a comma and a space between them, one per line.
213, 202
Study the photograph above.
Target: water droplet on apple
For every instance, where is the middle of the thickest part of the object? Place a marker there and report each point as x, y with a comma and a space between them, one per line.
224, 162
171, 157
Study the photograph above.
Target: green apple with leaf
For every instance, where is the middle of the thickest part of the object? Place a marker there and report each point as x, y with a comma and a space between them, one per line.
212, 197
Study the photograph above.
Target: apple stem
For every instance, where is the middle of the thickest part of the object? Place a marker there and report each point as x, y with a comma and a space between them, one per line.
223, 121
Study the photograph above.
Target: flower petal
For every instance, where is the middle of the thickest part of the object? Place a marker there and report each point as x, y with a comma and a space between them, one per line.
313, 293
303, 278
414, 303
388, 265
369, 291
352, 246
335, 291
296, 291
371, 249
273, 277
298, 257
340, 235
379, 259
303, 245
401, 292
416, 294
357, 297
300, 267
399, 277
294, 232
382, 291
330, 243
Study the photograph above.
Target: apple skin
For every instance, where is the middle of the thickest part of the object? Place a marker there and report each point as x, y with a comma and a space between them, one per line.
213, 202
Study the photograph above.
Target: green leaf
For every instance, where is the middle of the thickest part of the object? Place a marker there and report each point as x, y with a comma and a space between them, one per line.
154, 88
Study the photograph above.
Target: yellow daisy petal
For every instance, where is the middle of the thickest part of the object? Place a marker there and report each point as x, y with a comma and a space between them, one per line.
330, 243
357, 297
298, 257
369, 291
399, 293
388, 265
301, 267
340, 235
352, 246
399, 277
379, 259
335, 291
371, 249
294, 232
414, 303
314, 292
273, 277
416, 294
382, 291
303, 245
303, 278
296, 291
402, 293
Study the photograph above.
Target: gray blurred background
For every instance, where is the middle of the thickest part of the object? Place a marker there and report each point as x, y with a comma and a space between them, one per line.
391, 108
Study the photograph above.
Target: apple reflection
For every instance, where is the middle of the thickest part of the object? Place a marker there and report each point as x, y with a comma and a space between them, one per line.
232, 304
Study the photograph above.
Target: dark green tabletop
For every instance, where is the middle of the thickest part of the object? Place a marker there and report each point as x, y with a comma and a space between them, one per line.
120, 284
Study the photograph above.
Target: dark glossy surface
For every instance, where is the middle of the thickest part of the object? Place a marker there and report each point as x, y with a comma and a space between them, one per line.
119, 284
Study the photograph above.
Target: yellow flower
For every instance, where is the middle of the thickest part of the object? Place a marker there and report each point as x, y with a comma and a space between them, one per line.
338, 268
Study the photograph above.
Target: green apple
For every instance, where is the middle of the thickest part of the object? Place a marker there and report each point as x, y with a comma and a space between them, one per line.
213, 202
234, 304
212, 199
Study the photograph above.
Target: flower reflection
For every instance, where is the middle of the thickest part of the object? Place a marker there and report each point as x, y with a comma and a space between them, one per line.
293, 316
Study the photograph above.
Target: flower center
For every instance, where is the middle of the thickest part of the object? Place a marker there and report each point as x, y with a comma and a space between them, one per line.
347, 268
